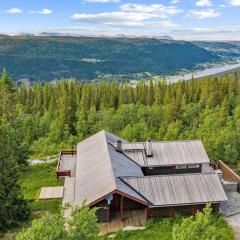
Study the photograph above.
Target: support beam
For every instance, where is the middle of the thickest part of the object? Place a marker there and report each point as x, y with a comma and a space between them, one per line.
146, 212
121, 207
171, 212
109, 217
195, 208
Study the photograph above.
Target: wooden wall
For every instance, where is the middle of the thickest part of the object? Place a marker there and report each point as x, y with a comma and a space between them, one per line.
161, 212
105, 212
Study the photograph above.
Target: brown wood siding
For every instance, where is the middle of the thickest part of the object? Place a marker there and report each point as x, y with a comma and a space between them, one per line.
129, 204
161, 212
103, 212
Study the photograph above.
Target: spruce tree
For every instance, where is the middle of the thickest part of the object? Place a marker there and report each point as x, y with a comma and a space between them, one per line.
13, 208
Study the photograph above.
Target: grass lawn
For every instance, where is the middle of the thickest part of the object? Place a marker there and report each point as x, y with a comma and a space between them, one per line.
33, 178
158, 229
162, 229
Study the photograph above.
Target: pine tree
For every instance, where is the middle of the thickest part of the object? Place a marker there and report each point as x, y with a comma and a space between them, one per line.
12, 206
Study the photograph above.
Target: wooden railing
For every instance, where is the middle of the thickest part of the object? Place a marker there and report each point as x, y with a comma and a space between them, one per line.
214, 164
228, 173
64, 173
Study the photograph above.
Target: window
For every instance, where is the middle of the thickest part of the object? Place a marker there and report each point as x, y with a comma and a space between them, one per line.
194, 166
181, 166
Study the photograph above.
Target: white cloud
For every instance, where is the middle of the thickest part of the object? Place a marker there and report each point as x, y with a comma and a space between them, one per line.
175, 1
203, 14
14, 10
124, 19
218, 33
44, 11
235, 2
203, 3
150, 8
102, 1
207, 31
133, 15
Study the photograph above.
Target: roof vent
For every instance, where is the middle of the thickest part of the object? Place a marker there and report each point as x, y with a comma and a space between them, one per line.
149, 150
119, 146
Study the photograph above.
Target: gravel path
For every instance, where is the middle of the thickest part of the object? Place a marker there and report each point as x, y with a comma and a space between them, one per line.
234, 222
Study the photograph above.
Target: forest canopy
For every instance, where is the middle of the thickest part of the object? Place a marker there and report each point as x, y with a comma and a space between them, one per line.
53, 116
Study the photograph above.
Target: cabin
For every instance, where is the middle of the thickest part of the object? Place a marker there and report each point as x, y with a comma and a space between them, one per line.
151, 179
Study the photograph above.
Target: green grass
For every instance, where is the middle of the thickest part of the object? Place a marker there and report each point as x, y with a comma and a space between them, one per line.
161, 229
33, 178
158, 229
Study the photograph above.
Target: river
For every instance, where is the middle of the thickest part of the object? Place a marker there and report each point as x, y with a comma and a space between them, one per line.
204, 73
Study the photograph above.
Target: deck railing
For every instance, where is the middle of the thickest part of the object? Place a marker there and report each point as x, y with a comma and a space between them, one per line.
214, 165
228, 174
64, 173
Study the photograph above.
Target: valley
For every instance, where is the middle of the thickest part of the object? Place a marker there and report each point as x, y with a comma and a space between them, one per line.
49, 58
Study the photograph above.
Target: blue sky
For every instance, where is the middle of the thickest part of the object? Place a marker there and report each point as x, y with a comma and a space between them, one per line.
182, 19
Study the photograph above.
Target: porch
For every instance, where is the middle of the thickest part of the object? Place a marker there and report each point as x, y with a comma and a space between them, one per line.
131, 218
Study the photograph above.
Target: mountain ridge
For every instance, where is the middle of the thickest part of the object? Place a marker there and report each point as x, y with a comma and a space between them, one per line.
91, 58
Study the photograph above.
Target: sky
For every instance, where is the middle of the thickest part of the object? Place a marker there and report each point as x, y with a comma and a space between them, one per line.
181, 19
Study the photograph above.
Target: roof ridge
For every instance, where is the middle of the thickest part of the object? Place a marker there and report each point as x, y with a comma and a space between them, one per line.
170, 141
109, 158
170, 175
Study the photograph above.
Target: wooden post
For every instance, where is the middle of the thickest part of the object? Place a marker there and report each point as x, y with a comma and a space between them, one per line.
146, 211
170, 212
109, 218
194, 209
121, 208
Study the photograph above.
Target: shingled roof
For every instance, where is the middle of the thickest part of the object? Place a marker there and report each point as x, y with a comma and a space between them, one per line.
98, 167
170, 190
101, 170
167, 153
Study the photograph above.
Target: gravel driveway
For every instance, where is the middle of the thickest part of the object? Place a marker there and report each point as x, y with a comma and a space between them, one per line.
234, 222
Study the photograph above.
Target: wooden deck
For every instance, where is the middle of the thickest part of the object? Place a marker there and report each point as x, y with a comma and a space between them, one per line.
51, 193
131, 218
66, 166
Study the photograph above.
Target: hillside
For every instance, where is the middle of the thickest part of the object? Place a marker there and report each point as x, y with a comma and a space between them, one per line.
50, 58
227, 49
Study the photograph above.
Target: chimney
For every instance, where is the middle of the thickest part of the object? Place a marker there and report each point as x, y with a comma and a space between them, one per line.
119, 146
149, 148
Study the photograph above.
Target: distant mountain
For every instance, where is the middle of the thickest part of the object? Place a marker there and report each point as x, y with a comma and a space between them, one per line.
47, 58
227, 49
167, 37
57, 34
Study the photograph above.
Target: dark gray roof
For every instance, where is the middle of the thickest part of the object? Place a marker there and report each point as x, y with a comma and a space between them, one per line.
179, 189
98, 167
167, 153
